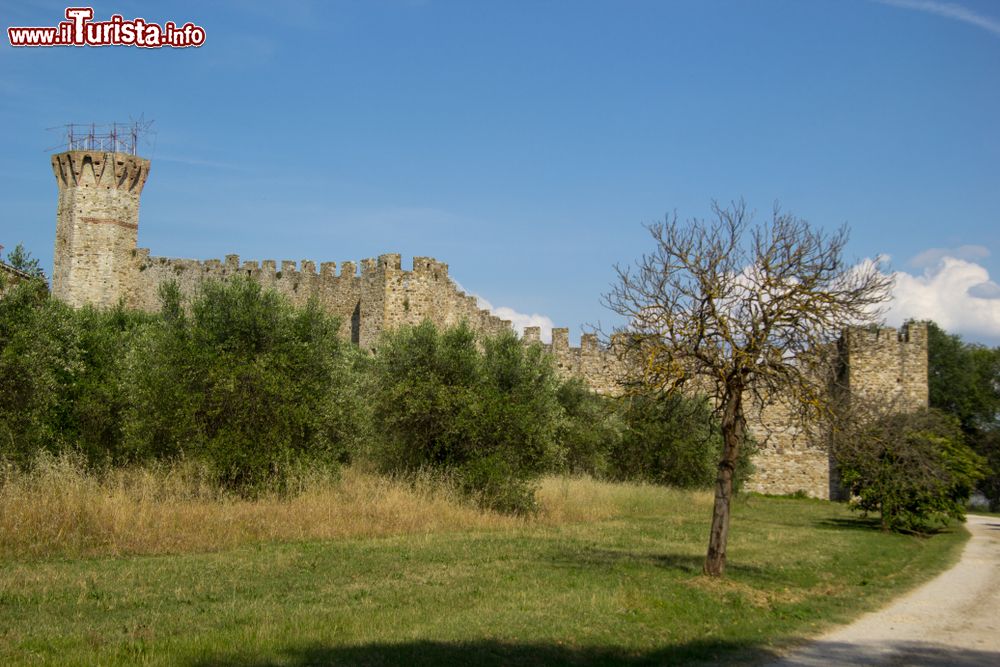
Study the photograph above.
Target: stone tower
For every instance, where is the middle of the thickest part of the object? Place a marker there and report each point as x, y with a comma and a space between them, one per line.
887, 366
97, 225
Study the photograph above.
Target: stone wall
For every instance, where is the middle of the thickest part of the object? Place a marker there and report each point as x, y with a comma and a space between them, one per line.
884, 364
887, 365
97, 224
383, 295
97, 262
788, 459
594, 364
9, 277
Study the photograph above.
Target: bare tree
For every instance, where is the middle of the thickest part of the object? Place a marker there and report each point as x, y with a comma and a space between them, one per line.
739, 310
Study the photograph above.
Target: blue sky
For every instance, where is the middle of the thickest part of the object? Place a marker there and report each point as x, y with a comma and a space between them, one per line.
525, 143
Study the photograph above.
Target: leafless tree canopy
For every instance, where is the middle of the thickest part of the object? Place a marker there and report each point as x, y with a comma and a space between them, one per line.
725, 302
734, 308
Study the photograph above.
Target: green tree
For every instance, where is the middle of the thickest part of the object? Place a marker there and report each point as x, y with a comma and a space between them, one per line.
486, 416
61, 375
21, 259
672, 440
964, 381
39, 356
245, 382
912, 469
590, 431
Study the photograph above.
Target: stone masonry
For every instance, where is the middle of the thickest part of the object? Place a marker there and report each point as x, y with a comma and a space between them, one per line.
97, 261
97, 225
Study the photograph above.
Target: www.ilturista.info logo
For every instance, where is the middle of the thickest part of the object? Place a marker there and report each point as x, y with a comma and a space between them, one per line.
80, 30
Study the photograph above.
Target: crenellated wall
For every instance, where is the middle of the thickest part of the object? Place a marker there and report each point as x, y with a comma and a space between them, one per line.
594, 364
97, 262
887, 365
382, 296
884, 364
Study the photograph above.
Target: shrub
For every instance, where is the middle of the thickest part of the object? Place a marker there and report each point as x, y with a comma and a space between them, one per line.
590, 430
912, 469
486, 416
38, 356
245, 382
672, 440
61, 375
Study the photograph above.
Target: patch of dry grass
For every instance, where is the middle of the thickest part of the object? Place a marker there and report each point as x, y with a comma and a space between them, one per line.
60, 509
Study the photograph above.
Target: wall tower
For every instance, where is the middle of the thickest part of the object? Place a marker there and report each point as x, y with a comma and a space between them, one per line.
886, 366
97, 225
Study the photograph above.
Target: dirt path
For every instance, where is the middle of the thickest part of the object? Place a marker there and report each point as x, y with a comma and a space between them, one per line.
951, 620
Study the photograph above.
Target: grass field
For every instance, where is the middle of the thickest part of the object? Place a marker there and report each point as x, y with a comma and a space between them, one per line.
367, 571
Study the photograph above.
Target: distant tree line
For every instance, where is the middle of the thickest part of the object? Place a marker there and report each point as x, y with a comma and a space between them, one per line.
964, 382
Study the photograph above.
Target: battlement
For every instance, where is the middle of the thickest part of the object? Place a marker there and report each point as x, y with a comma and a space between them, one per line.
97, 262
914, 335
887, 365
99, 169
381, 295
97, 225
598, 366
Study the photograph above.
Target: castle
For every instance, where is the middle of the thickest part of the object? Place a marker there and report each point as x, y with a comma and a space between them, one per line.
97, 261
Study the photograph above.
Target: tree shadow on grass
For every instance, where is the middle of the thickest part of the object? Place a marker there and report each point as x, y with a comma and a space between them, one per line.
870, 524
915, 653
867, 524
490, 652
706, 652
684, 563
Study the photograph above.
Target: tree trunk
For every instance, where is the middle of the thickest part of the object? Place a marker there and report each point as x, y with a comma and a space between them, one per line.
732, 438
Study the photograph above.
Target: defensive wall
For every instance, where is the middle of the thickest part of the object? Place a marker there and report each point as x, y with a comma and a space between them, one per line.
97, 261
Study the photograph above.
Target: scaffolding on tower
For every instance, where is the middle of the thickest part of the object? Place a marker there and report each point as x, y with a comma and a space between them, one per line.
108, 137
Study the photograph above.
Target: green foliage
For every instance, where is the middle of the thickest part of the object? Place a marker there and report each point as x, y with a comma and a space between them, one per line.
249, 385
487, 416
912, 469
38, 356
60, 375
964, 381
21, 259
245, 382
590, 430
240, 380
672, 440
987, 445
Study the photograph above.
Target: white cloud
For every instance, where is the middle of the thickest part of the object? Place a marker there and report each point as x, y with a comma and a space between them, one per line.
956, 293
517, 319
948, 10
930, 257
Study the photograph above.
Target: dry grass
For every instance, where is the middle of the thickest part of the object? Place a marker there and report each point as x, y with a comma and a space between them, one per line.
59, 509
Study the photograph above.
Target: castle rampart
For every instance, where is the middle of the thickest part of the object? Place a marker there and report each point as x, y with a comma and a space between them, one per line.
97, 262
383, 295
594, 364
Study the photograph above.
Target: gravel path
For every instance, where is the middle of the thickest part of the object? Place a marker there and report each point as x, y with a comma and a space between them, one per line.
951, 620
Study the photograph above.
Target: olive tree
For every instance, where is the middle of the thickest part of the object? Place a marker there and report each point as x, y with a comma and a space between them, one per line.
743, 312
